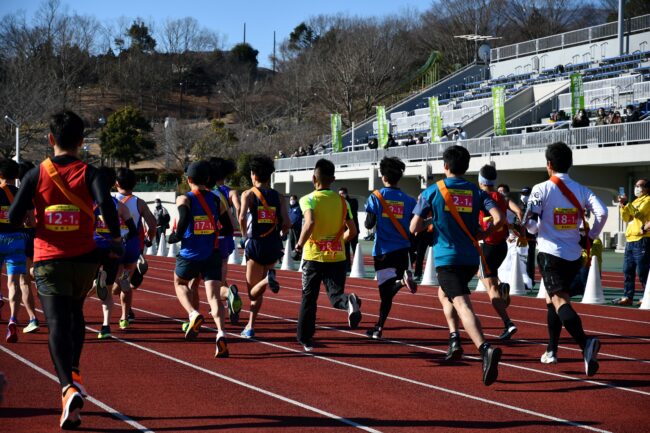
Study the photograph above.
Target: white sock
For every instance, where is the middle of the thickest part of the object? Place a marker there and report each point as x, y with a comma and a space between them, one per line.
193, 313
220, 334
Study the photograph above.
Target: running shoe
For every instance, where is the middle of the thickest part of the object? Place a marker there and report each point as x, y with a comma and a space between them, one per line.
548, 358
32, 326
308, 345
491, 358
248, 333
130, 317
12, 334
590, 356
222, 348
504, 290
374, 333
622, 301
79, 383
125, 282
100, 285
142, 265
273, 281
124, 324
409, 281
72, 402
234, 304
104, 332
354, 311
508, 331
194, 327
454, 351
184, 326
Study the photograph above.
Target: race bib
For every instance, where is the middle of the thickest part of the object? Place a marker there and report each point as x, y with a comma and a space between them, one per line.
397, 207
329, 246
62, 218
4, 214
100, 225
462, 199
565, 218
266, 215
203, 225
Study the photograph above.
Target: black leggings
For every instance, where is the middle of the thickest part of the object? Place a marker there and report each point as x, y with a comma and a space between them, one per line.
66, 325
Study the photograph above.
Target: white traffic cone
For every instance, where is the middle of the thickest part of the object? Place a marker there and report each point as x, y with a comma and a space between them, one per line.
172, 250
594, 287
287, 261
162, 248
480, 287
358, 268
233, 258
151, 251
541, 293
243, 257
430, 277
645, 302
516, 280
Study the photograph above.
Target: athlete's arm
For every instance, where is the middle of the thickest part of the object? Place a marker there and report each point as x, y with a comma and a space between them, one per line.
351, 231
600, 214
100, 191
533, 211
422, 210
234, 199
226, 220
371, 218
243, 209
307, 228
514, 207
148, 217
125, 215
23, 199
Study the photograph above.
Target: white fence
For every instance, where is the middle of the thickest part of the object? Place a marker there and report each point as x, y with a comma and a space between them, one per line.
624, 134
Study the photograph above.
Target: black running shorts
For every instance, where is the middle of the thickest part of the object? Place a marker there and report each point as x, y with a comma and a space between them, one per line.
558, 274
454, 279
209, 269
494, 256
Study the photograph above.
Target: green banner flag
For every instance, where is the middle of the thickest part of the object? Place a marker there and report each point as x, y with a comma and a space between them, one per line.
382, 127
499, 100
435, 120
337, 132
577, 94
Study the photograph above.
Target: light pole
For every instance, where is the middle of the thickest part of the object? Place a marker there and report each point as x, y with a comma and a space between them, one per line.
15, 124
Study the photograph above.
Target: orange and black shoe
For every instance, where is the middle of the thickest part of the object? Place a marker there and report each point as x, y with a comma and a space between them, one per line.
72, 402
78, 383
222, 348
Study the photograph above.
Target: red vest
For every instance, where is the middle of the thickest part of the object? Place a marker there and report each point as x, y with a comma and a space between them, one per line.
62, 229
502, 234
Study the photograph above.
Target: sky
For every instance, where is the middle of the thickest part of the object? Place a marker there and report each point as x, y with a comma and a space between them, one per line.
226, 17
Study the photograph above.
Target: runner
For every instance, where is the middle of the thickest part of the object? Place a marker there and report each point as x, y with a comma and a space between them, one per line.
390, 210
63, 189
108, 262
328, 225
555, 211
26, 278
199, 256
12, 248
454, 204
495, 250
263, 214
125, 183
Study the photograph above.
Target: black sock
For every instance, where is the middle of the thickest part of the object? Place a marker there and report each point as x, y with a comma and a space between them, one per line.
554, 325
483, 347
454, 335
573, 324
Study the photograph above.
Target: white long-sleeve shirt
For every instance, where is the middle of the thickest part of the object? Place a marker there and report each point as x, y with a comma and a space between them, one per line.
558, 224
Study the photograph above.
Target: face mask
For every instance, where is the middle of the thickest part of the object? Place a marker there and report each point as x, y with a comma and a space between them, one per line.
292, 202
524, 199
638, 191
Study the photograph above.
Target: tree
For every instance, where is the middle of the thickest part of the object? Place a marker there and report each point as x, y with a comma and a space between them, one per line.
302, 37
126, 137
141, 40
245, 55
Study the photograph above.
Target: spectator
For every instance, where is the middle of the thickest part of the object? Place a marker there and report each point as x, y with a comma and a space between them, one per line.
632, 113
391, 141
295, 215
444, 136
420, 139
601, 117
372, 143
351, 244
531, 238
554, 116
310, 150
301, 151
514, 211
280, 154
616, 118
162, 220
409, 141
637, 250
581, 119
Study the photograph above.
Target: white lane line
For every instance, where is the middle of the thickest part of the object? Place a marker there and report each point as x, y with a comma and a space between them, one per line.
113, 412
392, 376
430, 349
413, 322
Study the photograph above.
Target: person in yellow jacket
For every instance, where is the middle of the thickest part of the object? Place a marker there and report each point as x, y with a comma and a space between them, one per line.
637, 250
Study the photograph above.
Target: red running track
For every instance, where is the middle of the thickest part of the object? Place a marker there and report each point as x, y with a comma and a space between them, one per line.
149, 379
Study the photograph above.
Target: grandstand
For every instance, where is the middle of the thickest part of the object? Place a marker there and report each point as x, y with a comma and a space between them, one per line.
535, 75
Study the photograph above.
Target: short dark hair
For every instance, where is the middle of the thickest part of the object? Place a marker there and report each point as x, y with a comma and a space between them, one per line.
221, 168
505, 187
8, 169
24, 167
457, 158
560, 157
67, 129
324, 171
262, 166
125, 178
392, 168
199, 171
293, 196
489, 172
344, 189
109, 175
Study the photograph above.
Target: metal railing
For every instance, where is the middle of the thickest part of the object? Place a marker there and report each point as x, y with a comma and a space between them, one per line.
562, 40
623, 134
